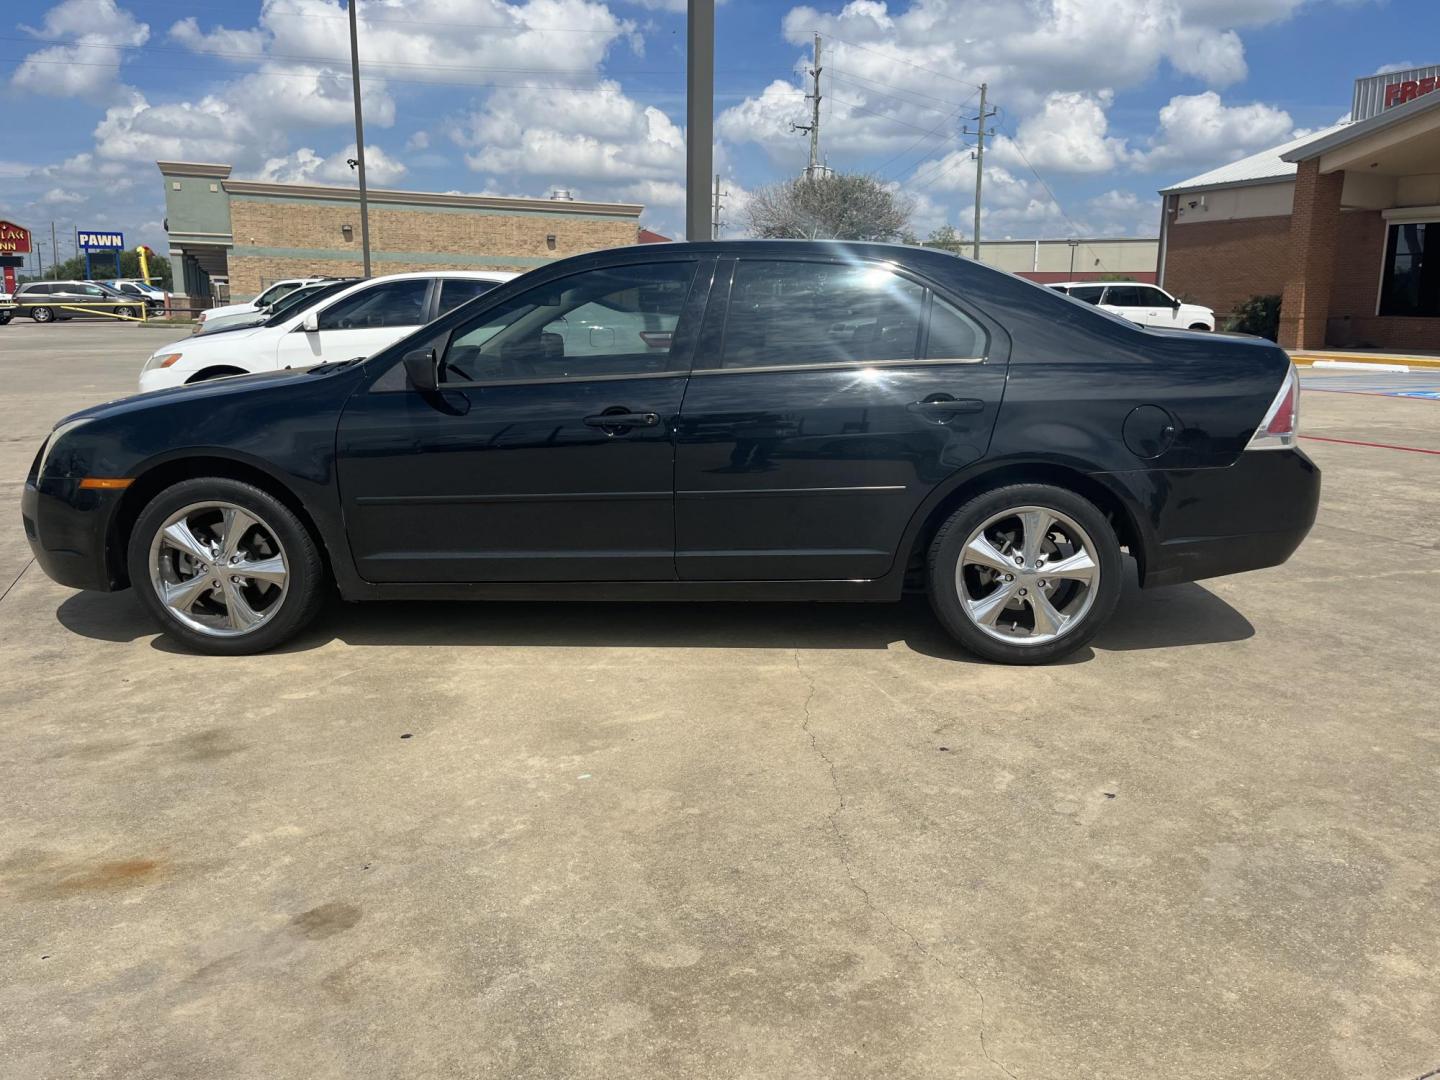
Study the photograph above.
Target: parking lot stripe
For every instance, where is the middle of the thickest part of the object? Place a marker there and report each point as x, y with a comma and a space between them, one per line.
1377, 445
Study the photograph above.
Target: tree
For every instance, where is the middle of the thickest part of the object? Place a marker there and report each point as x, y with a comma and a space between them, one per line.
837, 206
946, 238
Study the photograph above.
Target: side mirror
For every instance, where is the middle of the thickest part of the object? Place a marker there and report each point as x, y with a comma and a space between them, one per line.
1175, 302
311, 322
422, 368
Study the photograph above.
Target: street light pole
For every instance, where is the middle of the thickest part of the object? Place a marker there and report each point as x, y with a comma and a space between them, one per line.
359, 141
699, 116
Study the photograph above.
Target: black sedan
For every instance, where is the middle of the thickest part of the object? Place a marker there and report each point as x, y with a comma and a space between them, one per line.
711, 421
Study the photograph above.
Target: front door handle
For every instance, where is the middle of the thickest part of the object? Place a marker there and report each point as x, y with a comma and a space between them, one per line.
943, 405
619, 417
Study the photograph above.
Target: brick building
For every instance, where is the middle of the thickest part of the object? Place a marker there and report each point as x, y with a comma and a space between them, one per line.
233, 237
1337, 223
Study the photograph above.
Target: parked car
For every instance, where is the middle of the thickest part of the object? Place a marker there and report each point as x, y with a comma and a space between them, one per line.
291, 301
357, 321
827, 422
153, 295
47, 301
266, 298
1147, 305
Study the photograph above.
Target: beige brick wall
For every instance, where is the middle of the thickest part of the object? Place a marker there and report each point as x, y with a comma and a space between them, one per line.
317, 225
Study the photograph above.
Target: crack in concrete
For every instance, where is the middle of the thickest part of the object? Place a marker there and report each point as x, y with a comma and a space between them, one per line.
18, 576
843, 845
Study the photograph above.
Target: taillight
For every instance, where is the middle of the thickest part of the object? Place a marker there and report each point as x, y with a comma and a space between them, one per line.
1281, 427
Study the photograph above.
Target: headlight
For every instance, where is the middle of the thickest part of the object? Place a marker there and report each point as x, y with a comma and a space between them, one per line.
59, 433
161, 360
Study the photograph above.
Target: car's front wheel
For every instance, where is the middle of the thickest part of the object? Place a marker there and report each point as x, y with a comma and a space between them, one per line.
225, 567
42, 314
1025, 574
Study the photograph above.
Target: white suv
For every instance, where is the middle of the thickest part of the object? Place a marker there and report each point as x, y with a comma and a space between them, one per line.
357, 321
1140, 303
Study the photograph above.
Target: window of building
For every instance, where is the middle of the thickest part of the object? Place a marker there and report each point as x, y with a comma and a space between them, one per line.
619, 320
1411, 281
790, 313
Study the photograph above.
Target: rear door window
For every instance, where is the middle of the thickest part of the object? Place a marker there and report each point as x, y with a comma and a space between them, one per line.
953, 334
457, 291
1125, 296
784, 314
1089, 293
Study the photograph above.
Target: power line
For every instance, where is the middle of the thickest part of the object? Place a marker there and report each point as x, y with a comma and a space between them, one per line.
907, 63
1015, 142
893, 86
191, 6
390, 80
261, 57
936, 130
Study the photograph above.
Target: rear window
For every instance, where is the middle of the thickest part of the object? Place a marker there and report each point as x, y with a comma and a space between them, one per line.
1089, 293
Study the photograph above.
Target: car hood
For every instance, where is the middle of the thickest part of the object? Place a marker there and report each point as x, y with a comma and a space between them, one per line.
211, 390
1199, 309
197, 344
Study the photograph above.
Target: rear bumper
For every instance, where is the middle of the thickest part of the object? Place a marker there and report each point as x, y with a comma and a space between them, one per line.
67, 529
1210, 522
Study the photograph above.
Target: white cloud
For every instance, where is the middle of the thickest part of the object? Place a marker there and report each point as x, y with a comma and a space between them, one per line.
233, 44
596, 143
61, 197
88, 64
418, 141
1200, 129
1068, 134
305, 166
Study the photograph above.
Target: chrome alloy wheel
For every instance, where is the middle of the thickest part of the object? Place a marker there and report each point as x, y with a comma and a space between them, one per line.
1027, 575
218, 569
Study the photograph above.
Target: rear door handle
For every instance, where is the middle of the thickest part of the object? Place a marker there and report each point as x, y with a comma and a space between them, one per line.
945, 405
619, 418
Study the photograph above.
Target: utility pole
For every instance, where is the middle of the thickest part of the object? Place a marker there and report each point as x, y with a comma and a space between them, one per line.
359, 142
715, 210
980, 134
54, 251
699, 115
812, 129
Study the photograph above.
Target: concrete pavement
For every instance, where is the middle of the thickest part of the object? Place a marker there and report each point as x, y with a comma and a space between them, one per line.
773, 841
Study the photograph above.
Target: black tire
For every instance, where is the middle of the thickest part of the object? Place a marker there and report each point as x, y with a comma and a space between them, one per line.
955, 533
42, 314
1200, 326
5, 317
305, 586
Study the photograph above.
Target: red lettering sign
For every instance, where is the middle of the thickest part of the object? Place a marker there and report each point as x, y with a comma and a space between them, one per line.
1401, 92
14, 240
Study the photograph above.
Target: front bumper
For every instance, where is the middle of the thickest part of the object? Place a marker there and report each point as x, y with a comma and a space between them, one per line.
67, 529
1210, 522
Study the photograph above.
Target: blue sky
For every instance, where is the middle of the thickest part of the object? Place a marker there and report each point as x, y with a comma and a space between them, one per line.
1101, 101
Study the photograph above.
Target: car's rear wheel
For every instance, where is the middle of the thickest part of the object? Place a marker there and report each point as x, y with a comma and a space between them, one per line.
5, 317
225, 567
1025, 574
42, 314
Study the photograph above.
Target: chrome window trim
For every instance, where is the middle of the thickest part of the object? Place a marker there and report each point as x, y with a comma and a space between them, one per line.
843, 365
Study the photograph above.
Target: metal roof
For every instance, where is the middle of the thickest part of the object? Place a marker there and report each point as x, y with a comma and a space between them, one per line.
1268, 166
1323, 141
